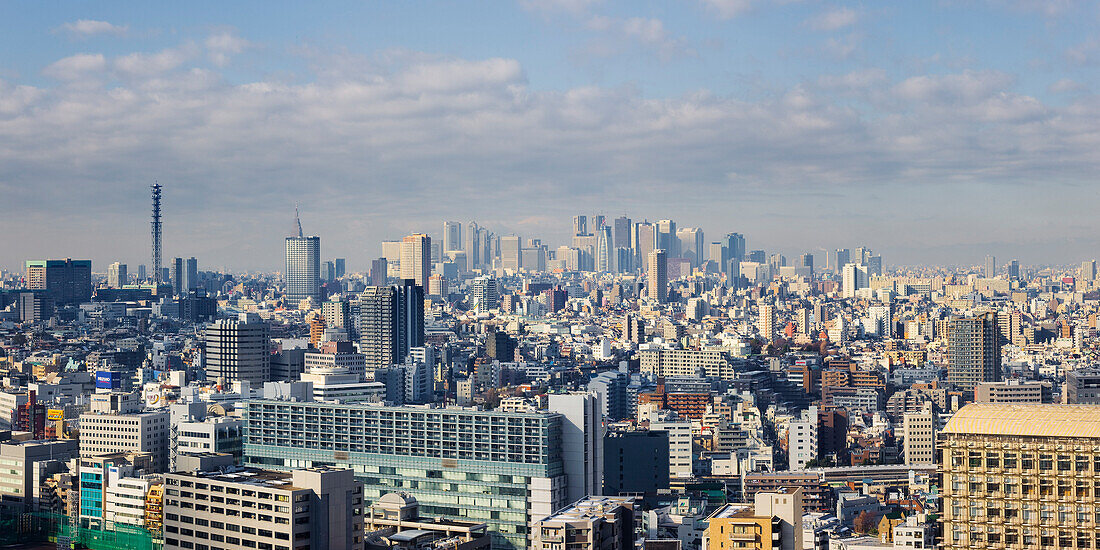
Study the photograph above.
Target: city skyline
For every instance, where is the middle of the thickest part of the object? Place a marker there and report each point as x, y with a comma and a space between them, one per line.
802, 125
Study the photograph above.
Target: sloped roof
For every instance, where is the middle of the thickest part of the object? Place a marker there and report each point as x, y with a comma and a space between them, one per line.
1026, 420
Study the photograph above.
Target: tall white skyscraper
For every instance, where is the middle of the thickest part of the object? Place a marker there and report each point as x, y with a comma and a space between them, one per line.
854, 278
581, 441
416, 258
116, 275
303, 267
605, 253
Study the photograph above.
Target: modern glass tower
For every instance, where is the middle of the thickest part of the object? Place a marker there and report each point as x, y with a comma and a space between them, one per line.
303, 267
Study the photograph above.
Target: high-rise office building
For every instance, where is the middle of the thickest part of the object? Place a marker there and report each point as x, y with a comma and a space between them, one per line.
501, 468
1014, 269
178, 277
666, 238
341, 267
472, 240
510, 255
735, 246
65, 281
116, 275
391, 321
623, 231
484, 294
990, 267
238, 349
1020, 476
452, 236
806, 265
379, 271
190, 274
303, 267
843, 257
658, 276
580, 225
644, 241
692, 245
416, 258
719, 254
604, 256
1088, 270
973, 351
141, 275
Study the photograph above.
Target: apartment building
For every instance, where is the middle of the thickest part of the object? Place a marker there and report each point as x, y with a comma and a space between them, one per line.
261, 509
592, 523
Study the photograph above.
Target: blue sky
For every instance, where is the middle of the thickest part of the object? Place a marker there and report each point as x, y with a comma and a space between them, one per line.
931, 131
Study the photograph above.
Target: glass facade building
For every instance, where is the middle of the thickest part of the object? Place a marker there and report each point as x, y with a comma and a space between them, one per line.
504, 469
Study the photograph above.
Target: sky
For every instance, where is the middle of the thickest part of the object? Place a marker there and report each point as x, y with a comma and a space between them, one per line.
931, 132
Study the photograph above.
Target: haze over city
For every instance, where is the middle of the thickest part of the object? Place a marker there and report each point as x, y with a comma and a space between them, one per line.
934, 133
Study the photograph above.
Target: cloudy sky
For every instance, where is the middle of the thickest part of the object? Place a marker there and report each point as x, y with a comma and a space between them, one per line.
933, 131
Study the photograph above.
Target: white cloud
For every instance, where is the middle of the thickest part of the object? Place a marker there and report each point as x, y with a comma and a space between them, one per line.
1066, 86
574, 7
150, 64
834, 19
386, 150
75, 67
221, 45
728, 9
648, 32
84, 28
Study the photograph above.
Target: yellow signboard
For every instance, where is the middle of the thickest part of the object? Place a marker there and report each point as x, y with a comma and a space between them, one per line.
54, 415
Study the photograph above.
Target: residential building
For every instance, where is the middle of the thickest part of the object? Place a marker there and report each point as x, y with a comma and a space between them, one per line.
252, 508
582, 434
920, 436
973, 351
657, 282
773, 521
592, 523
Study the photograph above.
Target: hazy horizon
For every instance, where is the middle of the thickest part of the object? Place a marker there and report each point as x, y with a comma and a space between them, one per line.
930, 133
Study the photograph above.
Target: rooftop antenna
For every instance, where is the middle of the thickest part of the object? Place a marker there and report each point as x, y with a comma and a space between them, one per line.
297, 221
156, 233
